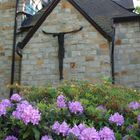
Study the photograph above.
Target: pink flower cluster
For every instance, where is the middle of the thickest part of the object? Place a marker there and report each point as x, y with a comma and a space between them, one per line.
117, 118
61, 128
2, 110
16, 97
27, 113
11, 138
101, 108
134, 105
89, 134
75, 107
106, 134
46, 138
5, 103
82, 132
61, 103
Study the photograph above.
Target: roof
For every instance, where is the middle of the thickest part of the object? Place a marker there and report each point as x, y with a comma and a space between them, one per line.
103, 12
100, 13
128, 4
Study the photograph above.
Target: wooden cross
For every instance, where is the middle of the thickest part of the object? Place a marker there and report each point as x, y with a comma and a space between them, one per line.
61, 50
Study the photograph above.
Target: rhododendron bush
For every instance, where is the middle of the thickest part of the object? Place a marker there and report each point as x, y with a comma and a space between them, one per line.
73, 111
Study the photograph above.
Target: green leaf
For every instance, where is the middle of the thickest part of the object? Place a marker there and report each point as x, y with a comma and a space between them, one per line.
36, 133
26, 134
118, 136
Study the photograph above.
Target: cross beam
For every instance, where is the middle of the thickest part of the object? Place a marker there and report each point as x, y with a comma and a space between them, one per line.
61, 50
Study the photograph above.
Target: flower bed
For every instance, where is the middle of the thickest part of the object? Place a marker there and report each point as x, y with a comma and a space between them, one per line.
72, 111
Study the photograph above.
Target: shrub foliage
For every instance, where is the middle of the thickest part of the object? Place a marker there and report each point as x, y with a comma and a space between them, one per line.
70, 111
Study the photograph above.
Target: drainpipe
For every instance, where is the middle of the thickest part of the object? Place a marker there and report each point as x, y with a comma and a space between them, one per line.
112, 57
14, 47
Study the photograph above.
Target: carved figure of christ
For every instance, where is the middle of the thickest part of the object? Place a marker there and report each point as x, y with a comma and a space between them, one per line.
61, 49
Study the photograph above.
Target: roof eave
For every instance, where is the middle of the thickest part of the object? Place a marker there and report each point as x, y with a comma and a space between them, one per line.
31, 32
125, 19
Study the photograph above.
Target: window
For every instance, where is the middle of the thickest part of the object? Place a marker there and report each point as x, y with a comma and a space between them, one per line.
33, 6
30, 8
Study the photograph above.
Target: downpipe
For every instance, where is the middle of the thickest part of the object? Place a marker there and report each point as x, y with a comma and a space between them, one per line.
14, 49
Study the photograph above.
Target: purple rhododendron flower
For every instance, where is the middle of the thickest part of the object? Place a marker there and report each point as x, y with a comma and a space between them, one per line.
27, 113
89, 134
61, 98
134, 105
25, 102
75, 107
46, 138
75, 131
11, 138
61, 128
2, 110
102, 108
117, 118
106, 134
55, 127
64, 128
138, 119
6, 103
61, 103
81, 126
16, 97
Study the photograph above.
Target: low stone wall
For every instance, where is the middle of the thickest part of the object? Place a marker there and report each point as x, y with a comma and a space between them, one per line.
86, 52
127, 54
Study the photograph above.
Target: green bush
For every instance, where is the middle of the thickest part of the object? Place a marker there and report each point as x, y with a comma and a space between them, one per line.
113, 98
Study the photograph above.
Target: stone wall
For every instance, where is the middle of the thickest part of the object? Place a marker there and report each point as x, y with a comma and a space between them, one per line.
127, 54
87, 55
7, 8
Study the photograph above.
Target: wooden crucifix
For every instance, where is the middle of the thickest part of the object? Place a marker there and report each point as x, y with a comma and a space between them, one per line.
61, 50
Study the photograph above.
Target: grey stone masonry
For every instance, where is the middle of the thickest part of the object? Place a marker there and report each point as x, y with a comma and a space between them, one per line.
127, 54
86, 52
7, 10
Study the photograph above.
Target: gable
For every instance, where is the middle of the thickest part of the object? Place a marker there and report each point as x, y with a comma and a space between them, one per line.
65, 17
86, 52
36, 21
99, 16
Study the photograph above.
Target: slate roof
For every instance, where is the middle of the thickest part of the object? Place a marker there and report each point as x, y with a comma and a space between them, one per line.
103, 12
128, 4
98, 12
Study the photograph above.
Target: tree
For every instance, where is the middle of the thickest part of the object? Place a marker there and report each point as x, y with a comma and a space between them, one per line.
137, 9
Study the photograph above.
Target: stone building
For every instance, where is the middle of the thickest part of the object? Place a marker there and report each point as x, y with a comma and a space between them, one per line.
70, 39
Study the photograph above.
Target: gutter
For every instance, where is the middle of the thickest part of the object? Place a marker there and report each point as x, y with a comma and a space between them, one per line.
14, 47
112, 57
127, 18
